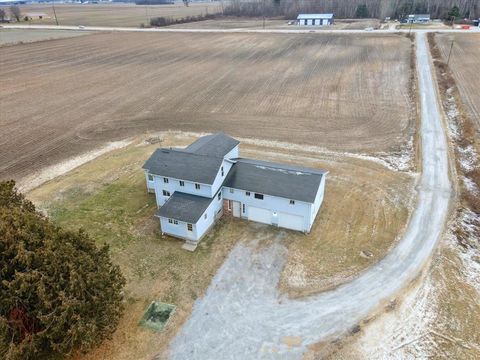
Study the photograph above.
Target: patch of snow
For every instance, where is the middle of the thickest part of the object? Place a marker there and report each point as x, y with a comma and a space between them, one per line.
404, 333
470, 186
396, 161
469, 223
452, 115
399, 161
468, 158
49, 173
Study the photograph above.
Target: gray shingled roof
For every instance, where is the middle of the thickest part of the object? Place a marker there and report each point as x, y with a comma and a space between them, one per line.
217, 145
290, 182
183, 165
184, 207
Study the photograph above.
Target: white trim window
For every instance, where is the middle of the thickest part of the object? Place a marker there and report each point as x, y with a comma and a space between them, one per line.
197, 186
182, 183
166, 193
165, 180
150, 177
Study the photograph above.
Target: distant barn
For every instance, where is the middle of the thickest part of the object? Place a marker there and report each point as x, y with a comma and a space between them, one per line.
419, 18
315, 19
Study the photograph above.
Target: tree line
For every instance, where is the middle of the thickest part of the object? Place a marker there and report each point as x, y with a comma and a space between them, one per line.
438, 9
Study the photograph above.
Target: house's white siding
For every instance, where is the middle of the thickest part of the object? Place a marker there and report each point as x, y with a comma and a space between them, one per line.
272, 203
200, 227
150, 183
219, 179
179, 230
174, 185
232, 154
318, 201
212, 212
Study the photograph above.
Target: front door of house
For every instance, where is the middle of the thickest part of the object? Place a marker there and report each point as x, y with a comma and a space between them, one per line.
236, 208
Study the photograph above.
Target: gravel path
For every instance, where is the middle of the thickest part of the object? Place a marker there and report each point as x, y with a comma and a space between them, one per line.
242, 315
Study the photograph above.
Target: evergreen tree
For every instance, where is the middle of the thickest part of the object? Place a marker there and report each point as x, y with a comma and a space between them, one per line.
454, 13
362, 11
59, 292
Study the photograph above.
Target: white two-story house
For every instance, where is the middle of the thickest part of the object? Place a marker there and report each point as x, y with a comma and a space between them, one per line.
196, 185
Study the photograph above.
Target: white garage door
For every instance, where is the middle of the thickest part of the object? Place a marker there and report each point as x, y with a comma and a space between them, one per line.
260, 215
289, 221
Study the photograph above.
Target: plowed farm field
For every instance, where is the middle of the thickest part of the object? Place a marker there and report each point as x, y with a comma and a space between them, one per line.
60, 98
464, 63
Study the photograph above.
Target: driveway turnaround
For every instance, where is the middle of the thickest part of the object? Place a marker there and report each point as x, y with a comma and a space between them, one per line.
242, 316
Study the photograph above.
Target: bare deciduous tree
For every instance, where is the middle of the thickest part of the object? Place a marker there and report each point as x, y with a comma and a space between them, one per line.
347, 8
16, 13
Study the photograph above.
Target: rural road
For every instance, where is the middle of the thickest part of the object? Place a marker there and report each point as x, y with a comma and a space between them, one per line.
242, 315
276, 31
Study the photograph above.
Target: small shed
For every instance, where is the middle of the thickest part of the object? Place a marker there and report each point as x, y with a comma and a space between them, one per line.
315, 19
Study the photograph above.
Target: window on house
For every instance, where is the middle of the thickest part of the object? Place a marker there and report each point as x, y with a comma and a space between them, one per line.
243, 208
182, 183
292, 202
259, 196
197, 186
165, 180
175, 222
150, 177
247, 193
166, 193
205, 216
189, 227
222, 170
231, 191
219, 195
170, 221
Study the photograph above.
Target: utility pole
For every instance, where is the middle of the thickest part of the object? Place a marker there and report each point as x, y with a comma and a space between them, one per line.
54, 12
263, 11
146, 14
450, 52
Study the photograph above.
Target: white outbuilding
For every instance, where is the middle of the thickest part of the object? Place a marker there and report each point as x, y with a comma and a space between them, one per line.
315, 19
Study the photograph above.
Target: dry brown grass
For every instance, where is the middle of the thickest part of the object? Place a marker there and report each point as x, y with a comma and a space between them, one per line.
62, 97
365, 205
115, 14
365, 211
15, 36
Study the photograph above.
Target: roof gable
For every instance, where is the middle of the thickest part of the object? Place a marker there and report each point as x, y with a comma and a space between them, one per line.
183, 165
314, 16
184, 207
218, 145
286, 181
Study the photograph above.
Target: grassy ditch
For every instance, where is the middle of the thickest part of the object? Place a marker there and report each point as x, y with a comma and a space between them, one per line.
464, 136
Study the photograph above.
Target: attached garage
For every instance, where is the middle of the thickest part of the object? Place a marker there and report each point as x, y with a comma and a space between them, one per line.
289, 221
260, 215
